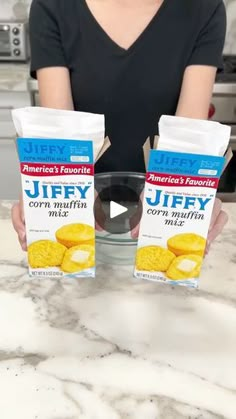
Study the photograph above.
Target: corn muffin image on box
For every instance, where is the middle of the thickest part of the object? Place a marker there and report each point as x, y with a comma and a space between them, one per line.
57, 151
182, 177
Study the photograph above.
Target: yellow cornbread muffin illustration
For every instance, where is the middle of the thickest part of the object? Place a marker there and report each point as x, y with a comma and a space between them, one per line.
187, 243
45, 253
153, 258
184, 267
74, 234
79, 258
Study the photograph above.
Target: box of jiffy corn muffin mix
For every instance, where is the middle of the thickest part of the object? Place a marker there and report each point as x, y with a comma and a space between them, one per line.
57, 151
182, 177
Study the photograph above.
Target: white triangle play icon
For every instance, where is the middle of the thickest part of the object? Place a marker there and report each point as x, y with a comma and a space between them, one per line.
116, 209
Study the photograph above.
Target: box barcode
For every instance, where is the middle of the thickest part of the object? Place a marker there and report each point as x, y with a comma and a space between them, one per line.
148, 276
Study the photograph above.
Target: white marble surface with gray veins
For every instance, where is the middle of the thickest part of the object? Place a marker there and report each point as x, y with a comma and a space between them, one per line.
115, 347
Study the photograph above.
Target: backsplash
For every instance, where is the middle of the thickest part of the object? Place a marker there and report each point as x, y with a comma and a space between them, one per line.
230, 44
14, 9
18, 9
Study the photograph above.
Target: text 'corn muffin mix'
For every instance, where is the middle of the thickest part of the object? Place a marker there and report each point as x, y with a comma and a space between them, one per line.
58, 194
181, 183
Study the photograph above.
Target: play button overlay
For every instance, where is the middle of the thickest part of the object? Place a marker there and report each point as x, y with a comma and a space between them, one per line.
118, 208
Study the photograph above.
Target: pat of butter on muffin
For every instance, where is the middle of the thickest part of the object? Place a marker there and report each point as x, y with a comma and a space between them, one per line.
80, 256
186, 265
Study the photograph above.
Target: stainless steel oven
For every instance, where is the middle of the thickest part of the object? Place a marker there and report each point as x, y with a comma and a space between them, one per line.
14, 44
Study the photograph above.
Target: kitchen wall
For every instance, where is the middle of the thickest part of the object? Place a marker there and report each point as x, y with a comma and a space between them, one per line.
18, 9
230, 44
14, 9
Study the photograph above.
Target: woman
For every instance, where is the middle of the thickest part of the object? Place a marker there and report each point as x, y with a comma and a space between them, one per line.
132, 61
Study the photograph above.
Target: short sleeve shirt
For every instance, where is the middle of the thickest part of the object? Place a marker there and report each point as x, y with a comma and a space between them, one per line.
132, 87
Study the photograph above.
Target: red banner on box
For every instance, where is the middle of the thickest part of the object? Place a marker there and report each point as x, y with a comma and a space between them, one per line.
162, 179
39, 169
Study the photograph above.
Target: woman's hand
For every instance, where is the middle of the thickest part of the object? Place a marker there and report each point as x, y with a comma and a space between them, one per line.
18, 221
218, 220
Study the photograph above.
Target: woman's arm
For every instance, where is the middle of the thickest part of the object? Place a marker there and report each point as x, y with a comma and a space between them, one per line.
196, 92
206, 57
55, 88
194, 102
49, 66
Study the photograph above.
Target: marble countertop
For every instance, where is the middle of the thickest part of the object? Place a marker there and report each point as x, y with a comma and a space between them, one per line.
115, 347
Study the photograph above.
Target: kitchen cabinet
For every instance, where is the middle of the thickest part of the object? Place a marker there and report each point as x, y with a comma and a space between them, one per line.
10, 100
9, 170
9, 165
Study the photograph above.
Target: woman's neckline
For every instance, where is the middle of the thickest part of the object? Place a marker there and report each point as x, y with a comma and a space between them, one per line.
107, 38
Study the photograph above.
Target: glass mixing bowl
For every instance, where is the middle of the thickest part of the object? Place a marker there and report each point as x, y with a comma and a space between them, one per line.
118, 247
114, 250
